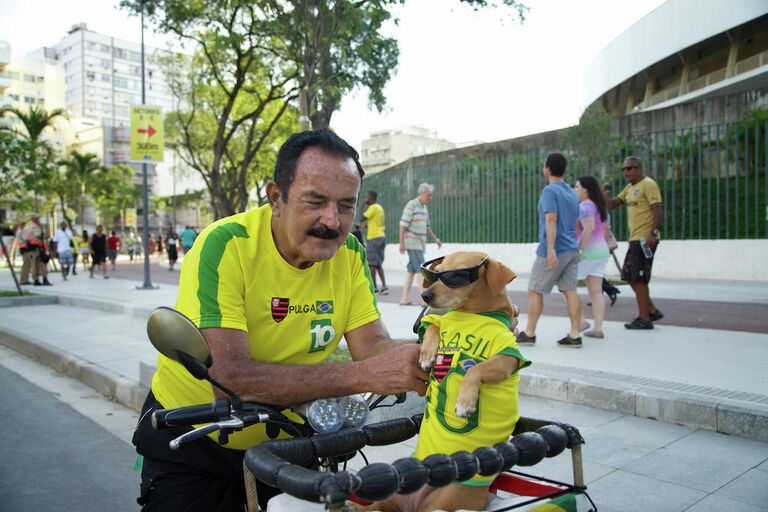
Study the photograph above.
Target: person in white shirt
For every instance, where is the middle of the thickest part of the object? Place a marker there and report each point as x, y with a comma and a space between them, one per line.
63, 239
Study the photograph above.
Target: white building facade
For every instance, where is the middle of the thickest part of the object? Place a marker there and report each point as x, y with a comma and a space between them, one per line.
389, 147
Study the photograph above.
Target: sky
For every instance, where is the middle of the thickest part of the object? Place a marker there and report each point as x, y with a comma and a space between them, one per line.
470, 76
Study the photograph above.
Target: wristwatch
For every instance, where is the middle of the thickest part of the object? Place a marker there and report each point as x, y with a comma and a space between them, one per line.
656, 233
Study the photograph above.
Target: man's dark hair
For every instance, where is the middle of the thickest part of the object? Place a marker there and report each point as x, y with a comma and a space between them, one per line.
635, 160
373, 194
291, 150
556, 163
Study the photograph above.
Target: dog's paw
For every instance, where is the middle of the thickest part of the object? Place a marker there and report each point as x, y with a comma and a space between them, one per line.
464, 412
426, 361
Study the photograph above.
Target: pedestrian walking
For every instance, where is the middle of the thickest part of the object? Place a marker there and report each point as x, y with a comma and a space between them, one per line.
645, 216
30, 238
557, 255
187, 238
113, 246
62, 238
151, 245
172, 242
414, 230
376, 241
130, 244
98, 248
590, 233
85, 250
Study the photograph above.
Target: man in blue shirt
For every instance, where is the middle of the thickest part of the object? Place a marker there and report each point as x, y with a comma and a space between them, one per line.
557, 255
187, 237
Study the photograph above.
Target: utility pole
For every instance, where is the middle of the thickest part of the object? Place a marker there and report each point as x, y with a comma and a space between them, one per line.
145, 182
304, 110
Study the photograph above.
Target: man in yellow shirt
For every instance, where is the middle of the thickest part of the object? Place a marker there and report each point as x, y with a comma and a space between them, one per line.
273, 290
376, 242
642, 198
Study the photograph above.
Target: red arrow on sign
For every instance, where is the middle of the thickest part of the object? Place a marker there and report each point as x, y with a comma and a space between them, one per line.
149, 130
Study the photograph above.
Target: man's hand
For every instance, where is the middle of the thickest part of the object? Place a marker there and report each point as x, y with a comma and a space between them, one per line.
438, 242
552, 261
402, 248
651, 241
397, 371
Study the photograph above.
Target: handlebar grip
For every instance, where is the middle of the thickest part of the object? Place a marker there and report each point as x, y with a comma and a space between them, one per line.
191, 415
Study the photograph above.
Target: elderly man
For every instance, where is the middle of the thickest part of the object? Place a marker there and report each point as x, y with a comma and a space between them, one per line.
642, 198
31, 242
273, 289
414, 230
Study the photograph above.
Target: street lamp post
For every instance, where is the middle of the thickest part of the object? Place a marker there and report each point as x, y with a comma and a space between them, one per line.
145, 182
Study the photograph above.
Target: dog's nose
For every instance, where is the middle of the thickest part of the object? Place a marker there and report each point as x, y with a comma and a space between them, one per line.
428, 295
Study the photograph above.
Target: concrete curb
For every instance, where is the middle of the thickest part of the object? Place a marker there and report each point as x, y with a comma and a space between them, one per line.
740, 418
113, 386
27, 300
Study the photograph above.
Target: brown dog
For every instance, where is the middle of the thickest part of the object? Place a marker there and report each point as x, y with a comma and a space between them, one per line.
473, 356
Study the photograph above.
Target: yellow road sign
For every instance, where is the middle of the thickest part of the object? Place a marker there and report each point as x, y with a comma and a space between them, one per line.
130, 216
146, 133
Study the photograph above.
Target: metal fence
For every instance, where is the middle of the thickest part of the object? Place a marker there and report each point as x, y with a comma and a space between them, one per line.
712, 179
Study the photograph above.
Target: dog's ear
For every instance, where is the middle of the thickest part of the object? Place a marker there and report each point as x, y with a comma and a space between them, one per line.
498, 275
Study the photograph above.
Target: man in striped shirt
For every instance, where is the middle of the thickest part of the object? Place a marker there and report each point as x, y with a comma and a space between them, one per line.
414, 229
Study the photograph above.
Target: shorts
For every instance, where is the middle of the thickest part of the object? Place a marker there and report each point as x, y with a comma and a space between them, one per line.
99, 257
544, 278
637, 268
66, 258
374, 249
85, 251
173, 253
112, 255
415, 259
591, 268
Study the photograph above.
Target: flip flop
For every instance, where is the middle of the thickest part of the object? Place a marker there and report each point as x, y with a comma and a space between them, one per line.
409, 303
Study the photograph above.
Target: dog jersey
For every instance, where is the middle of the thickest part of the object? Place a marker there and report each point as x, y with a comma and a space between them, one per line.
468, 339
234, 277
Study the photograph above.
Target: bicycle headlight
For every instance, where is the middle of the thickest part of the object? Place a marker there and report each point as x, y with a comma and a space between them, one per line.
324, 415
331, 414
354, 410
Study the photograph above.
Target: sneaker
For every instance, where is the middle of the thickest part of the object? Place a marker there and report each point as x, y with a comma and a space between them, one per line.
524, 339
376, 289
384, 291
37, 283
46, 282
570, 342
656, 315
639, 323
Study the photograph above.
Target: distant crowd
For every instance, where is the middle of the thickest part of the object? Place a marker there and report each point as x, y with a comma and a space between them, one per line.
39, 252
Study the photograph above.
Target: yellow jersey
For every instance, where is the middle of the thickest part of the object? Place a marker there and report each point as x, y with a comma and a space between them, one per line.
234, 277
639, 198
375, 216
468, 339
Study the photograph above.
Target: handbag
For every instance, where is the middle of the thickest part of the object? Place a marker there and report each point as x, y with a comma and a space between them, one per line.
45, 257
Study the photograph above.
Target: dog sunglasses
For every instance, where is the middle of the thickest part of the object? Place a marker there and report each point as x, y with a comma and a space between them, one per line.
454, 278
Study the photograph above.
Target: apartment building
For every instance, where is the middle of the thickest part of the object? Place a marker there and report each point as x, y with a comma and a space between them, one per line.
389, 147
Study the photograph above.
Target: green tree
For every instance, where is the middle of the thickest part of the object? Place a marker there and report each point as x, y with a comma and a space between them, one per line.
590, 142
40, 160
113, 191
81, 172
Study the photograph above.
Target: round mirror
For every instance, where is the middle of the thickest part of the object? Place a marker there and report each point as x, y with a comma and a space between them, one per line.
171, 332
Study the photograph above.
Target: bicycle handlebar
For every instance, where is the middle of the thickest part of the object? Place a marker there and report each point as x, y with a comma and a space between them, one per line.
192, 415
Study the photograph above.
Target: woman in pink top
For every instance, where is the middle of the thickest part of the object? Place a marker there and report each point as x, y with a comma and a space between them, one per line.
590, 232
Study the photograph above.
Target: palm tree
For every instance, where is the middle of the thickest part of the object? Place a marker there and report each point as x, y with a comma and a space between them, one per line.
81, 169
35, 120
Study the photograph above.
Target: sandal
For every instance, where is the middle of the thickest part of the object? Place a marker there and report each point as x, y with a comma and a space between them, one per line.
409, 303
594, 334
584, 326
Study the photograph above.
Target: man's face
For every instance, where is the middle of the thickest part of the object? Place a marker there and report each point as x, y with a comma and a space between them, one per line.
632, 171
316, 219
425, 197
369, 199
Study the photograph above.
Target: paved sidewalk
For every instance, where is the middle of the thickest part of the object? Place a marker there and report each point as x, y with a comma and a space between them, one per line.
692, 380
700, 378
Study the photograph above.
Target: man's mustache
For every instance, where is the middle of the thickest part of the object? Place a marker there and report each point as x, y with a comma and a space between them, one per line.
324, 233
